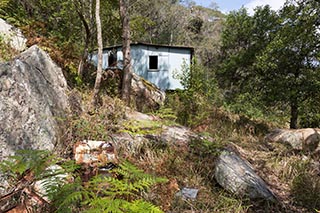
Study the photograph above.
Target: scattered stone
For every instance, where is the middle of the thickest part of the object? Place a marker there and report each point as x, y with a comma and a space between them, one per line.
299, 139
238, 177
188, 193
176, 134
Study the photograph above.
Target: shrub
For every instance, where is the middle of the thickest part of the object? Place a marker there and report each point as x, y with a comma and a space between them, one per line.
120, 191
6, 51
306, 190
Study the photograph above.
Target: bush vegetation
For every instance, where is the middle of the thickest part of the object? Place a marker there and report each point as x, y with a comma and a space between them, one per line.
235, 91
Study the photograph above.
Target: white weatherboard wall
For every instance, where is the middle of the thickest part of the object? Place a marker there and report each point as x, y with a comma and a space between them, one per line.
170, 61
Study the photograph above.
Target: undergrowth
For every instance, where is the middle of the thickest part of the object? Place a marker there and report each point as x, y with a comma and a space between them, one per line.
119, 191
6, 51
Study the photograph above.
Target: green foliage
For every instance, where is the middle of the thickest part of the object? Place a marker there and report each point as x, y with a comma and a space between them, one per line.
117, 192
35, 161
200, 90
166, 113
306, 190
6, 51
67, 197
120, 191
246, 104
142, 127
4, 3
271, 55
99, 124
310, 115
206, 148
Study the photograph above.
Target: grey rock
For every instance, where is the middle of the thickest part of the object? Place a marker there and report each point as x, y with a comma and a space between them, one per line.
238, 177
300, 139
188, 193
12, 35
147, 96
33, 102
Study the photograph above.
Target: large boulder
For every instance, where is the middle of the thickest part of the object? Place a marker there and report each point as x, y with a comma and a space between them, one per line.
299, 139
12, 35
237, 176
147, 96
33, 100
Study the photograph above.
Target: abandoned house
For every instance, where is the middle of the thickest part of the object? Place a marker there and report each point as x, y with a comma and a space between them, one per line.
158, 64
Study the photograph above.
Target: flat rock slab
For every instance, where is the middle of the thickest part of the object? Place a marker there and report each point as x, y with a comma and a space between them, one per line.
238, 177
188, 193
300, 139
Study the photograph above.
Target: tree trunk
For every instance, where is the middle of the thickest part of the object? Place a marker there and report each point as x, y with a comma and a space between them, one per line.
87, 29
127, 68
95, 98
294, 114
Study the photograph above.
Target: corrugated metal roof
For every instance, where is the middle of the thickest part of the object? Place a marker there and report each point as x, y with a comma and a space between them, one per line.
153, 45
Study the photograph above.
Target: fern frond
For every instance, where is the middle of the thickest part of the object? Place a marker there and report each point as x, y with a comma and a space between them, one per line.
137, 205
118, 195
67, 196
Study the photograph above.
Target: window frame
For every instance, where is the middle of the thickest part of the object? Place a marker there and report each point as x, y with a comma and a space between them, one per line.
155, 57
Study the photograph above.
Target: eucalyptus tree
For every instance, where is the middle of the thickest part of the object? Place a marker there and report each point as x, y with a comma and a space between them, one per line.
273, 55
289, 65
127, 67
96, 90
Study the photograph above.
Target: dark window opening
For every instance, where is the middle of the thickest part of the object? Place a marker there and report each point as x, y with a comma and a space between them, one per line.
153, 62
112, 60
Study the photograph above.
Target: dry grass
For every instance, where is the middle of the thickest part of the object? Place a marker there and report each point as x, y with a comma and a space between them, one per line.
6, 51
292, 176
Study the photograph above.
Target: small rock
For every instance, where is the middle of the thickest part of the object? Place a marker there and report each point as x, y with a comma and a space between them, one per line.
188, 193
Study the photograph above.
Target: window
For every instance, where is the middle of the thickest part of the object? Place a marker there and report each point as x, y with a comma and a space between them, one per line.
153, 62
112, 59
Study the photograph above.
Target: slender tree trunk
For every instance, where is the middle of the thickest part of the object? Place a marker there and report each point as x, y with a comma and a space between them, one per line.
294, 114
95, 98
83, 59
127, 68
87, 28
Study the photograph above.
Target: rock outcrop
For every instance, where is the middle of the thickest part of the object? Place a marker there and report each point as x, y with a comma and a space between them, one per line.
12, 35
32, 101
238, 177
146, 95
299, 139
154, 130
